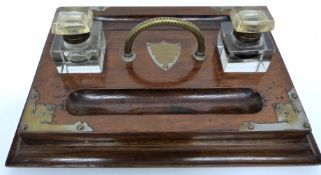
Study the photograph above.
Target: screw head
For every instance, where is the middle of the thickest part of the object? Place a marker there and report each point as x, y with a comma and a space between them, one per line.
306, 125
24, 127
165, 66
80, 127
294, 95
250, 126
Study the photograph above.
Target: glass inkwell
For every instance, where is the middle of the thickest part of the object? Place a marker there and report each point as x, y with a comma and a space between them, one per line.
79, 44
245, 43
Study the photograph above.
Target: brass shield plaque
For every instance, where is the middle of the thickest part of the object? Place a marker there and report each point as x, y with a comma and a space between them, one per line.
164, 54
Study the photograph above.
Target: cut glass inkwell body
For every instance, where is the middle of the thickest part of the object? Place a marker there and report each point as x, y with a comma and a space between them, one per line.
245, 44
79, 44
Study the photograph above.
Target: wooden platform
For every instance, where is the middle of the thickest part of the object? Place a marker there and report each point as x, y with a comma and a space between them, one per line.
269, 129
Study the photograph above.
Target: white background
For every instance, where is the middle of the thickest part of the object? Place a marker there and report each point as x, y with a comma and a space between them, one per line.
24, 26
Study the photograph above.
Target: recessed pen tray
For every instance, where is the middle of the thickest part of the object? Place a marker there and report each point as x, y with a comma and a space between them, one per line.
164, 101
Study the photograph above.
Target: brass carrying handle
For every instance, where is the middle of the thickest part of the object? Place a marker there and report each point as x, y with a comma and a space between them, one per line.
199, 54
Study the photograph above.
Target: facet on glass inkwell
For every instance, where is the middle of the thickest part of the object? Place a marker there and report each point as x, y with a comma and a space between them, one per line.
79, 44
245, 44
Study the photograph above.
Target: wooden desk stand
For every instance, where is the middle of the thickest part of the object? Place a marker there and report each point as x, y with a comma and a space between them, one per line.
255, 118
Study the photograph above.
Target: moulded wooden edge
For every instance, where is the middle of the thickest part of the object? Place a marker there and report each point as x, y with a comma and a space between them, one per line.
217, 152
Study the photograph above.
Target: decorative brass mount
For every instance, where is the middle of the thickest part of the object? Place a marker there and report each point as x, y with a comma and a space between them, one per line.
38, 118
291, 116
199, 54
